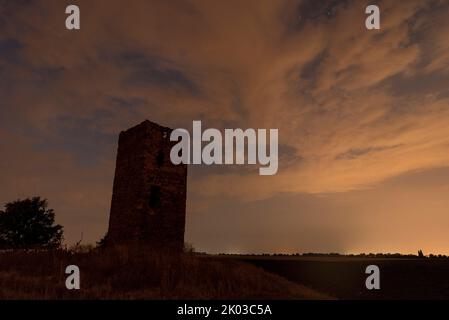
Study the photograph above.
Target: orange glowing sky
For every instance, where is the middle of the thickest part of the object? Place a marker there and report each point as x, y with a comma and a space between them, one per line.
363, 116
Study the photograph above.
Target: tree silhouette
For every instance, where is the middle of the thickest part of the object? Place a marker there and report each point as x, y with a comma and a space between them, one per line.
29, 224
102, 242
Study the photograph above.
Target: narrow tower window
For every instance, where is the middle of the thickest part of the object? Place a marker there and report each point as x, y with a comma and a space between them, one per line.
155, 196
160, 158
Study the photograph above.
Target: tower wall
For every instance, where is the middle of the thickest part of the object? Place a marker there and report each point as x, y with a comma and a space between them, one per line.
149, 193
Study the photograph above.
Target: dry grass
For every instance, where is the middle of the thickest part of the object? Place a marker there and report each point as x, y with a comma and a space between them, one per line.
138, 273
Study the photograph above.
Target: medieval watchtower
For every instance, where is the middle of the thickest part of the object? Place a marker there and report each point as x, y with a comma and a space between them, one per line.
149, 193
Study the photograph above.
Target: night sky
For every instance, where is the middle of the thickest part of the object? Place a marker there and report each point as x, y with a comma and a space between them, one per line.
363, 116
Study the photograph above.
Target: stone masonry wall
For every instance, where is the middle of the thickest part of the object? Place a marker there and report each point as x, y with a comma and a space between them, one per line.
149, 193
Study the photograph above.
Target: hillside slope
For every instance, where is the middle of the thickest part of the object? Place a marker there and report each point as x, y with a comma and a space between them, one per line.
140, 274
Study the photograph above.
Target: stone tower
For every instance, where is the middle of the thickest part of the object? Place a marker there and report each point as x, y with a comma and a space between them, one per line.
149, 193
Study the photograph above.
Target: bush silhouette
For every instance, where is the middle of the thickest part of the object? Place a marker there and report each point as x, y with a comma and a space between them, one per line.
102, 242
28, 224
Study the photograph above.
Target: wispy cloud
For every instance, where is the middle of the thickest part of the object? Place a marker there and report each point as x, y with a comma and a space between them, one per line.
351, 106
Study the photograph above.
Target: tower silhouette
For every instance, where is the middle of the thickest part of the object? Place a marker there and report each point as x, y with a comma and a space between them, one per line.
149, 193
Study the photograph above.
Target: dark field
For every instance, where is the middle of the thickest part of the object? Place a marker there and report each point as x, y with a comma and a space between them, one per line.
139, 273
344, 277
142, 274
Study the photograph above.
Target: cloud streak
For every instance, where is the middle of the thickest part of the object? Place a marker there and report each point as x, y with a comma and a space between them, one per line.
350, 105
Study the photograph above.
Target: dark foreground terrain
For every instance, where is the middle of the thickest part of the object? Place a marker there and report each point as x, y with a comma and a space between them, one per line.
344, 277
140, 274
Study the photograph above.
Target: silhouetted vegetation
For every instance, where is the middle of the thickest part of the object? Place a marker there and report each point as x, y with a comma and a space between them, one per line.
29, 224
102, 242
339, 255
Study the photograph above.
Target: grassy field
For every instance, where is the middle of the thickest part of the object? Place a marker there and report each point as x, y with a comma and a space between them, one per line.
140, 274
344, 277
